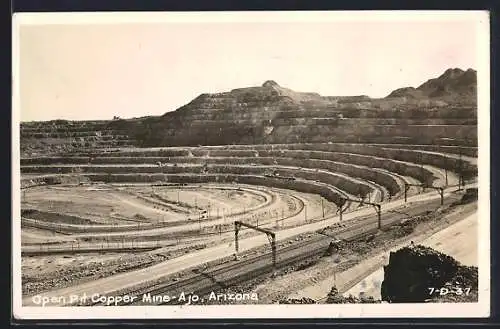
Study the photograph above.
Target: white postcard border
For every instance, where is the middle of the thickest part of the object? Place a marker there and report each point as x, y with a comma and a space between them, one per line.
334, 311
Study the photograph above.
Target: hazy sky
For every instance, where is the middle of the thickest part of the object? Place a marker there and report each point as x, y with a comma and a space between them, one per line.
95, 71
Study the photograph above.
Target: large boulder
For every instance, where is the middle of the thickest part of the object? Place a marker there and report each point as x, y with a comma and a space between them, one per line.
413, 271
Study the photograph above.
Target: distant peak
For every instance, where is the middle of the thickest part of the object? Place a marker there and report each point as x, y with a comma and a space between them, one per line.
270, 83
452, 73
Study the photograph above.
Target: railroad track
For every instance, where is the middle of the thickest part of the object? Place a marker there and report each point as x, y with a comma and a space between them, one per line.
226, 275
236, 272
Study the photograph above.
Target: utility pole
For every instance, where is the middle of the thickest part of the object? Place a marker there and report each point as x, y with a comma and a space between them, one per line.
379, 215
407, 187
322, 208
340, 208
441, 193
422, 166
445, 171
305, 213
270, 235
444, 165
377, 206
236, 229
460, 177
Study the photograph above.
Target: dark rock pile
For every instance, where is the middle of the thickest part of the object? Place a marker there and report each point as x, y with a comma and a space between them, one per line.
303, 300
414, 274
335, 297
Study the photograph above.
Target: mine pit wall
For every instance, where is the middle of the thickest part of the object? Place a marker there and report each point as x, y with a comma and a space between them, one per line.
413, 156
66, 136
404, 169
223, 153
84, 134
344, 183
470, 151
277, 111
287, 113
245, 134
249, 150
309, 159
330, 119
451, 164
280, 122
465, 150
436, 160
351, 170
299, 186
35, 146
341, 130
361, 149
53, 180
388, 181
370, 158
393, 185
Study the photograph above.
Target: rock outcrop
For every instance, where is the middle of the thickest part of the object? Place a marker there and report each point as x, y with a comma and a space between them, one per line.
419, 274
303, 300
273, 114
453, 84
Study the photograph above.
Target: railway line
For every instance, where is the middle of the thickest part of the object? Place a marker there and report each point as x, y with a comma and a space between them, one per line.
235, 272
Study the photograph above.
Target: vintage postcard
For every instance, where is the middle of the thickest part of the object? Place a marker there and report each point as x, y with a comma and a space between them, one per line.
251, 165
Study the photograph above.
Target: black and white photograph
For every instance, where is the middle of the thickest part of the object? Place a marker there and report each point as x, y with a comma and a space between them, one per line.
251, 165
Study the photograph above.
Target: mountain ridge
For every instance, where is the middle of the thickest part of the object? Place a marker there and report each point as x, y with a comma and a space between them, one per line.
453, 86
272, 114
454, 82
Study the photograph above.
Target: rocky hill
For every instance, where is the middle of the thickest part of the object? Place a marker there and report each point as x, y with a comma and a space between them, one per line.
453, 85
271, 113
421, 274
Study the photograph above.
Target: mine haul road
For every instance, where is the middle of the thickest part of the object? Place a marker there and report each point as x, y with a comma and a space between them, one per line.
129, 280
